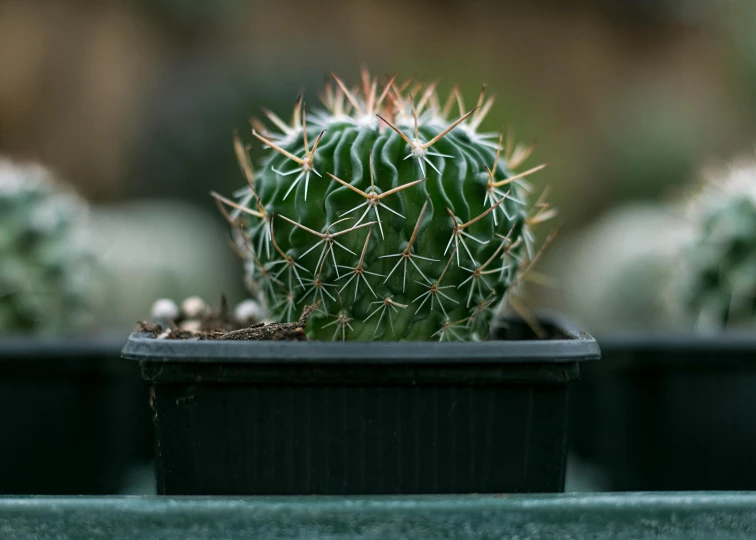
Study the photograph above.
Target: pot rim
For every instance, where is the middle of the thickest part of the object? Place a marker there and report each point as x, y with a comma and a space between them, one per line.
577, 345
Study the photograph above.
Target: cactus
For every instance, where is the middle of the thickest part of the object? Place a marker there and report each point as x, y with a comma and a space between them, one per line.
45, 262
392, 210
717, 288
614, 274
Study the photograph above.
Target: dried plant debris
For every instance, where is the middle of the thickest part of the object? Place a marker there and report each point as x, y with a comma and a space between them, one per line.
196, 321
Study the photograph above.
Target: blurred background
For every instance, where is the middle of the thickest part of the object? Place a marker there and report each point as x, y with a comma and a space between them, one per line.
135, 102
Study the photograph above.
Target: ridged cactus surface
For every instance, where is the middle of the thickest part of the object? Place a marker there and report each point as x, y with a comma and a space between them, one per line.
45, 266
391, 209
718, 288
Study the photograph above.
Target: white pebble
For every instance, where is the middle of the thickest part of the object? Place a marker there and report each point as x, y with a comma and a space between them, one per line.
191, 326
194, 307
164, 309
249, 312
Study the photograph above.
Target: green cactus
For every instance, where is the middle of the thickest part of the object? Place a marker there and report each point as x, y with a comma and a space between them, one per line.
718, 285
45, 263
403, 220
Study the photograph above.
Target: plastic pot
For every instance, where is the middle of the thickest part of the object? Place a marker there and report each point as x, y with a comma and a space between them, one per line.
670, 413
264, 417
73, 417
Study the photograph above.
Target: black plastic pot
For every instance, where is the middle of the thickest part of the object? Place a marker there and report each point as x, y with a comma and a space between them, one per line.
73, 417
260, 418
670, 413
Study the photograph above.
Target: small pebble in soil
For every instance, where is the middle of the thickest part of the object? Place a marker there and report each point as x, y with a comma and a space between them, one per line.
248, 312
194, 307
191, 325
164, 309
214, 327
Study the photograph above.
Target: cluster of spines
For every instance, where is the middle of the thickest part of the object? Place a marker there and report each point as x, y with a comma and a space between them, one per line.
388, 110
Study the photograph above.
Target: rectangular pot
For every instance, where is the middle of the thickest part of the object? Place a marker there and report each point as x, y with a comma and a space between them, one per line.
670, 413
73, 417
265, 417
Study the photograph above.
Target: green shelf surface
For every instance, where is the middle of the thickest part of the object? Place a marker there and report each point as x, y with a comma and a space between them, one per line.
570, 516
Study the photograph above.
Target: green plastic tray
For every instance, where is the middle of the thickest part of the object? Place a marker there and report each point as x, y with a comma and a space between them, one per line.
616, 516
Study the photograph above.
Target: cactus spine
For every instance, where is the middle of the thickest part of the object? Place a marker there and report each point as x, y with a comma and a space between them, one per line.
392, 210
46, 265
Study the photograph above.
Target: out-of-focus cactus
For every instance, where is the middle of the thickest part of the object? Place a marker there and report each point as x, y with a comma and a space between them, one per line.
614, 274
45, 263
391, 209
716, 284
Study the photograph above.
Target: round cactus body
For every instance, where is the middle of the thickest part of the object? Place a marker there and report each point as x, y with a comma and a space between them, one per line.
393, 212
718, 285
45, 270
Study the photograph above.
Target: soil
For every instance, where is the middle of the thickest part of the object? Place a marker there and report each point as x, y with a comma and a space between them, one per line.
220, 326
